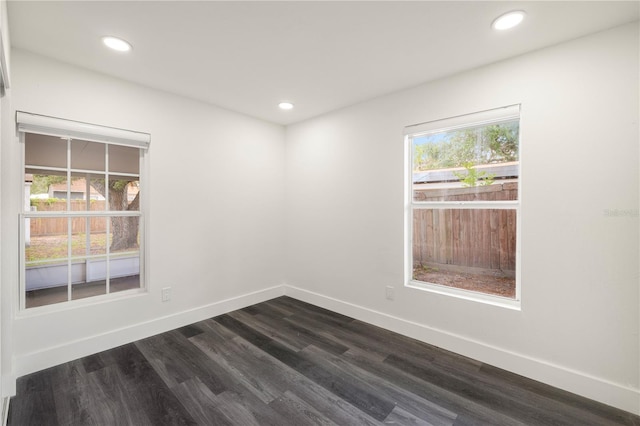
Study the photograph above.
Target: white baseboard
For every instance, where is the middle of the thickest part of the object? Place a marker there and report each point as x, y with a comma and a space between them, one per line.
5, 410
613, 394
8, 385
51, 356
609, 393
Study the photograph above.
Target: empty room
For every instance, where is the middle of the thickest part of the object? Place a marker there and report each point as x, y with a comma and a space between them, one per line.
319, 213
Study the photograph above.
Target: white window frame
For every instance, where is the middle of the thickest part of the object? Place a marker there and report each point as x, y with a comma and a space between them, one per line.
486, 117
70, 130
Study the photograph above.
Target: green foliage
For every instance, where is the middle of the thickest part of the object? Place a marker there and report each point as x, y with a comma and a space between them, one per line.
473, 177
119, 185
41, 183
496, 143
47, 201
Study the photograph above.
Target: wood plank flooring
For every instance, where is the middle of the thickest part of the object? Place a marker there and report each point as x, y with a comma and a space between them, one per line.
285, 362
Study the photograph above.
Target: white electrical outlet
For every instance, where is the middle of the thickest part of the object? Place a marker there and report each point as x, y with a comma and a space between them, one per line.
390, 293
166, 294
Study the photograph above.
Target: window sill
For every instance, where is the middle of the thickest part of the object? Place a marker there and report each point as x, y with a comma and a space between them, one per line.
80, 303
473, 296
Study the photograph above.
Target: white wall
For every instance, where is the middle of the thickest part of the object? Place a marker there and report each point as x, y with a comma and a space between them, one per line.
579, 322
5, 130
4, 102
340, 228
216, 210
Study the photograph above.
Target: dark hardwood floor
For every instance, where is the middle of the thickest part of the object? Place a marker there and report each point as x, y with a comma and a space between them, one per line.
285, 362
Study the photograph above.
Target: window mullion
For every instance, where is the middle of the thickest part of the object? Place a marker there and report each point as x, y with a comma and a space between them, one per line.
69, 255
461, 205
87, 226
108, 257
68, 174
106, 177
69, 224
120, 213
108, 225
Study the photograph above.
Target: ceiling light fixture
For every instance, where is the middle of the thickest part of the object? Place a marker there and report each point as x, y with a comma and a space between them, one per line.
116, 43
285, 105
508, 20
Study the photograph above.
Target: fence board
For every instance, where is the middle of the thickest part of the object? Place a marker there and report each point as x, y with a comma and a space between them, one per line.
58, 226
469, 238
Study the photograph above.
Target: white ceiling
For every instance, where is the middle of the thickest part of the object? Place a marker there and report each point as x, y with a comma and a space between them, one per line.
248, 56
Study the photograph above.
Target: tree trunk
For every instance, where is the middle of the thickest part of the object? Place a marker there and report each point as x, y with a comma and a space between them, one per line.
124, 230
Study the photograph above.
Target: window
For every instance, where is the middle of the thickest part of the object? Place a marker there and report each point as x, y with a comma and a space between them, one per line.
463, 201
83, 219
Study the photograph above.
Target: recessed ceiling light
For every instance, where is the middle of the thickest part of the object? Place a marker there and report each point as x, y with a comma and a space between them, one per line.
116, 43
508, 20
285, 105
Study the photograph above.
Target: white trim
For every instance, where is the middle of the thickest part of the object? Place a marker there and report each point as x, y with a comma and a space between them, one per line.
82, 213
5, 410
468, 205
79, 303
610, 393
4, 69
44, 125
614, 394
29, 123
83, 171
143, 192
481, 118
474, 296
8, 384
54, 355
465, 121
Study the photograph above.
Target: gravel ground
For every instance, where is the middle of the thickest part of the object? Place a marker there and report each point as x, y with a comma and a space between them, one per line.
499, 286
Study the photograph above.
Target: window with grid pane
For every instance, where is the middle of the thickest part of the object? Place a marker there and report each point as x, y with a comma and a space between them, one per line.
82, 219
463, 195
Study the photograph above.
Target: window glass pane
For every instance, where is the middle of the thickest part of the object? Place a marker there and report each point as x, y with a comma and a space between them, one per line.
91, 243
74, 257
46, 296
496, 191
47, 151
47, 191
125, 271
82, 197
125, 253
125, 233
88, 277
472, 164
123, 193
98, 236
87, 155
124, 159
46, 267
96, 191
469, 249
49, 185
46, 239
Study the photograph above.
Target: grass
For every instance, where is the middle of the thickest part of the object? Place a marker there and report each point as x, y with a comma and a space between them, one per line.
53, 247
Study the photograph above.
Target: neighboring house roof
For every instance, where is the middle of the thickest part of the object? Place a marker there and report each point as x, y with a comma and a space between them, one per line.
499, 171
77, 185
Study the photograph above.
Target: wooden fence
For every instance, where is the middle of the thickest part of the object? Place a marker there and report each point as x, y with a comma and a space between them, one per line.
466, 240
58, 225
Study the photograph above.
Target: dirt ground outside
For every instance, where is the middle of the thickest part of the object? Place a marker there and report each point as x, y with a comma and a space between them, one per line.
487, 284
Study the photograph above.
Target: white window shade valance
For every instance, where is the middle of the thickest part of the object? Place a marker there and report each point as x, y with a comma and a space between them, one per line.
467, 120
44, 125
